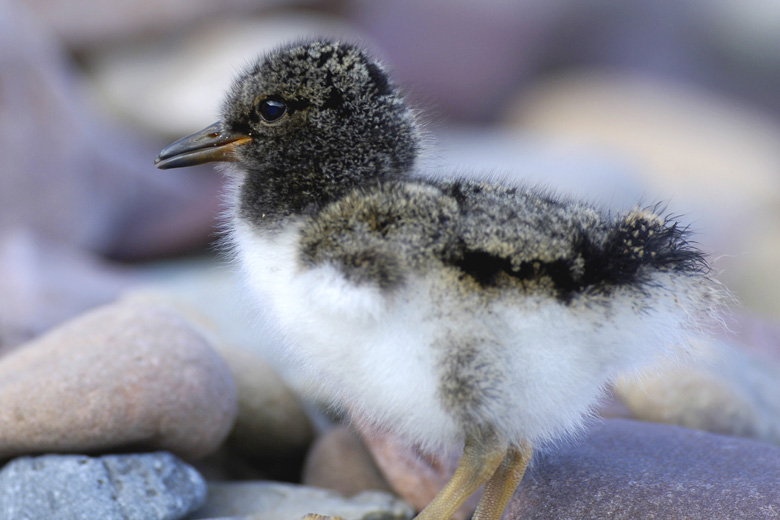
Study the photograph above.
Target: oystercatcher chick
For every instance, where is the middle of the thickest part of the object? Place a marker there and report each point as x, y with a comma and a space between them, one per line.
451, 313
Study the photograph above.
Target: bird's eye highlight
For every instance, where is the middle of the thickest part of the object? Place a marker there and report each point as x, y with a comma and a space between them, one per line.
272, 110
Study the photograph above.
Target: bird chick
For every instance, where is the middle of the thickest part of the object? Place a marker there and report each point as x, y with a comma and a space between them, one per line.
449, 312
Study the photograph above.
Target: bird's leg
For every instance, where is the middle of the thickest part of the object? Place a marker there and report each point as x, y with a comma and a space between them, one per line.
482, 455
501, 486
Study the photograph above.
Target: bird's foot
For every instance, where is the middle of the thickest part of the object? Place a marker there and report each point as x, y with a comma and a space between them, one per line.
487, 459
482, 456
502, 485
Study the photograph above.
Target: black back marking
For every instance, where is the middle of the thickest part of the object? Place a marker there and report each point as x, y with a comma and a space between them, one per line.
632, 249
485, 268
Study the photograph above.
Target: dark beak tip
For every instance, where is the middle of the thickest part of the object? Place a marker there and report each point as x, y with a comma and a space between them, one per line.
162, 162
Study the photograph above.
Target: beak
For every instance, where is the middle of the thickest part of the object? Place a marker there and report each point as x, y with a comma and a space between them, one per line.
212, 144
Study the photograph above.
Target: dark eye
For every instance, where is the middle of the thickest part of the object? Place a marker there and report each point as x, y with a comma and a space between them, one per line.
271, 110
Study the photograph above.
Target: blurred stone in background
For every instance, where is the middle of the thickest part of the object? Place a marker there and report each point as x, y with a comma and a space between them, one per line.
70, 175
45, 282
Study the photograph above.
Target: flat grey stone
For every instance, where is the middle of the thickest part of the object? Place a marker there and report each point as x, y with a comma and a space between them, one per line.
153, 486
276, 501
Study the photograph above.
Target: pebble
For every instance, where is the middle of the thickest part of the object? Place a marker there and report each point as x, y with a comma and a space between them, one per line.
627, 469
446, 56
731, 392
122, 375
151, 486
526, 160
339, 460
275, 501
121, 21
271, 422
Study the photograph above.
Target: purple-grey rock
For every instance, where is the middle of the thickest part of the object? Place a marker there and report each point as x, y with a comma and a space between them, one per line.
617, 469
46, 282
71, 176
626, 470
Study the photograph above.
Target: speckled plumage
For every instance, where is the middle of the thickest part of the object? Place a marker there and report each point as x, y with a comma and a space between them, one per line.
445, 311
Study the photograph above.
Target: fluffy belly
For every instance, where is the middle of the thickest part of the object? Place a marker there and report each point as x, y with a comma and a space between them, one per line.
430, 374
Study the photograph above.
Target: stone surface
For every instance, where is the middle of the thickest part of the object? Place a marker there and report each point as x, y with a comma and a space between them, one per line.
275, 501
463, 59
45, 282
626, 470
208, 288
154, 486
271, 421
674, 129
122, 375
70, 175
340, 461
733, 392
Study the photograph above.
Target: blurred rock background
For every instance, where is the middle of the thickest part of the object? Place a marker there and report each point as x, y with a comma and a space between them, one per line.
619, 102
